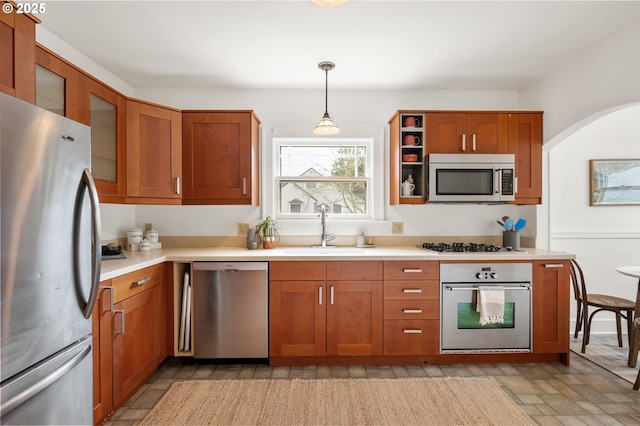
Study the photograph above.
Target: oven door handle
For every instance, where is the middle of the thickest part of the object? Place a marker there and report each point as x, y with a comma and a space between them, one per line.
450, 288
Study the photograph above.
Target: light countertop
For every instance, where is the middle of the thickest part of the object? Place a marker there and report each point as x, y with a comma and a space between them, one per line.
141, 259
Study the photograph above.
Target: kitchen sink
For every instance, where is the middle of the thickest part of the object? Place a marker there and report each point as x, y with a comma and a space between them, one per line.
323, 250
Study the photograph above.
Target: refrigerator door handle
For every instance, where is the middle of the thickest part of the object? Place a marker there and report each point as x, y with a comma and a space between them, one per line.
88, 184
47, 381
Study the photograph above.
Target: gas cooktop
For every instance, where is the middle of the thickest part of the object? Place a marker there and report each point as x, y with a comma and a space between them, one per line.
467, 248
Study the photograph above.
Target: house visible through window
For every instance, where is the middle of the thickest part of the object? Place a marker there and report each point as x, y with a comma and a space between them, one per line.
336, 173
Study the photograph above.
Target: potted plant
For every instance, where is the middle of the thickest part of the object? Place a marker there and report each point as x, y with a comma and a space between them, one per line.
267, 232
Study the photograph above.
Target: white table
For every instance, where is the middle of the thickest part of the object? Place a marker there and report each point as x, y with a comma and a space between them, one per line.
634, 347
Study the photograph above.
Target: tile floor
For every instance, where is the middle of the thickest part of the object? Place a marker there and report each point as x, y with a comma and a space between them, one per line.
551, 394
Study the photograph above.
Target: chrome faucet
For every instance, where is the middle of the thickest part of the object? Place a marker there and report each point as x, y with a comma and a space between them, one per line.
325, 237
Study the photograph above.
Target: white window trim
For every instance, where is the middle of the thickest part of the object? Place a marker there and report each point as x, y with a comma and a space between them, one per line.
374, 138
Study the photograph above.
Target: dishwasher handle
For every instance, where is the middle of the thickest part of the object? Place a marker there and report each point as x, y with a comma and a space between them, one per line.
230, 266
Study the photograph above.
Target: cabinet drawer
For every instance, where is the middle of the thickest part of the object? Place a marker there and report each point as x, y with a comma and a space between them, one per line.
411, 337
128, 285
411, 270
411, 309
418, 289
298, 271
354, 271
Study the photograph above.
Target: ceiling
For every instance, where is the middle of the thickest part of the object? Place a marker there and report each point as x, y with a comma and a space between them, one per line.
376, 45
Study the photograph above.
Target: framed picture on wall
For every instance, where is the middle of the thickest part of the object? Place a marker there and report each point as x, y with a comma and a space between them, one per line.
614, 182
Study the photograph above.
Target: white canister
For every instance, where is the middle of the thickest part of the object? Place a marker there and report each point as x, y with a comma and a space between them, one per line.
134, 235
360, 241
152, 236
145, 245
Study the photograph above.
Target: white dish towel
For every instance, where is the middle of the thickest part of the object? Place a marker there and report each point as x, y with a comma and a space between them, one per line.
490, 305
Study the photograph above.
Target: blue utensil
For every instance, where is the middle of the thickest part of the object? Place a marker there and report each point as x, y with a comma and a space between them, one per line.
521, 223
508, 225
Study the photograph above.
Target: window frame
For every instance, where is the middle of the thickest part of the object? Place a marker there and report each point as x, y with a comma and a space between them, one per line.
372, 139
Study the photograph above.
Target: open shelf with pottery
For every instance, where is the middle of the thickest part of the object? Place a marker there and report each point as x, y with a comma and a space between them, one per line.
407, 164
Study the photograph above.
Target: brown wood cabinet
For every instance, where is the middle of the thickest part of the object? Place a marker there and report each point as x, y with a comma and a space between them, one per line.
130, 336
479, 132
411, 307
154, 154
525, 141
325, 309
18, 55
461, 133
90, 102
551, 306
220, 157
354, 308
102, 334
297, 308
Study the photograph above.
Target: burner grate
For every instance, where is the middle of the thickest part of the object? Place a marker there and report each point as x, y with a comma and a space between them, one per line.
461, 247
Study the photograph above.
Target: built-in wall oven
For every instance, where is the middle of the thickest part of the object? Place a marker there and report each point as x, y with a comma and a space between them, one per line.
460, 328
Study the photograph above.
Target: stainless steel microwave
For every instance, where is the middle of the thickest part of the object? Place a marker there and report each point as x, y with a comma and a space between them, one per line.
470, 178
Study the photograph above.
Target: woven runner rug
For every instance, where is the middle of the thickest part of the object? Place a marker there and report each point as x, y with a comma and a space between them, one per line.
412, 401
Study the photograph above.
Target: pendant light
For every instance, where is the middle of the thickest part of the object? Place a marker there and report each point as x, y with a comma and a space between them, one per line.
326, 126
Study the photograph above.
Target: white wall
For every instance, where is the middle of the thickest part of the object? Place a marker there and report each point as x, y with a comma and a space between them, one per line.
602, 237
590, 113
352, 110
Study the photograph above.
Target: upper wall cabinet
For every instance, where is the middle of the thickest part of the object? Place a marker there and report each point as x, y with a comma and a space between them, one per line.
154, 154
220, 157
476, 133
105, 110
18, 55
525, 141
66, 90
426, 132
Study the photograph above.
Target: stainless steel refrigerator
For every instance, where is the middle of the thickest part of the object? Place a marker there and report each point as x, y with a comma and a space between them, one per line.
50, 251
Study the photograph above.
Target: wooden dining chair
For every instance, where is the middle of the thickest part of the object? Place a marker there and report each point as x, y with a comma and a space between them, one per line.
622, 308
636, 324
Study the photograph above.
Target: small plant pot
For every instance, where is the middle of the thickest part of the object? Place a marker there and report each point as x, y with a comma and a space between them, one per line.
511, 239
269, 242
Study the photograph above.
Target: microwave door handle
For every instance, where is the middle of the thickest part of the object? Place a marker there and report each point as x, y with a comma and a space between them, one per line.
499, 181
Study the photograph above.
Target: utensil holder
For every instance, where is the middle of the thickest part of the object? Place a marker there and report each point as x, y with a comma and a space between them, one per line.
511, 239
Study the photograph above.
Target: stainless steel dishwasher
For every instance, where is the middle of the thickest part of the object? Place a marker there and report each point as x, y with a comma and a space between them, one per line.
230, 310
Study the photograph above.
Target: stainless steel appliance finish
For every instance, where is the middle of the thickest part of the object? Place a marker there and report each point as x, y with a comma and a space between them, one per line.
50, 270
470, 178
230, 310
460, 330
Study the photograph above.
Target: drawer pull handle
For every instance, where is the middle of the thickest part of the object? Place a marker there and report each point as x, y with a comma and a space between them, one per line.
412, 311
412, 331
553, 265
144, 281
412, 290
410, 270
